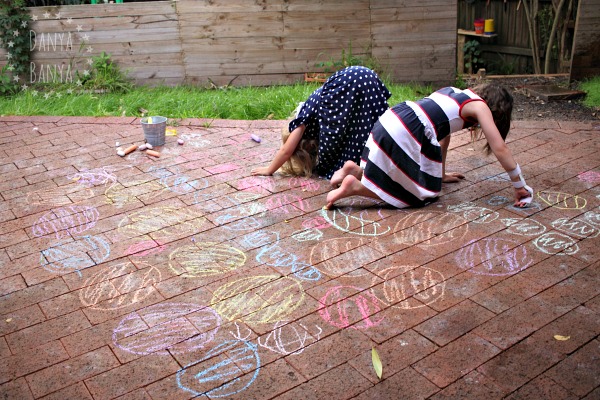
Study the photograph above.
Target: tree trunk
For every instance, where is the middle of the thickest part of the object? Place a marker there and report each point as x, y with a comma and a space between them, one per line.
531, 14
557, 14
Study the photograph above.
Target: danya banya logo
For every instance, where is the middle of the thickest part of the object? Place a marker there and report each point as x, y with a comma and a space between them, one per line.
72, 42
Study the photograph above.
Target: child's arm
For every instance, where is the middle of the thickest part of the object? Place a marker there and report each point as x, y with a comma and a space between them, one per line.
480, 111
450, 176
283, 154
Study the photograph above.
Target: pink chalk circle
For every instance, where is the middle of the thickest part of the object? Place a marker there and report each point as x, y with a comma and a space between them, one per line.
176, 327
64, 221
350, 307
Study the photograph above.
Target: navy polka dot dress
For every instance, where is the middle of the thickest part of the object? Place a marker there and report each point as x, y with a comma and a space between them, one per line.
340, 114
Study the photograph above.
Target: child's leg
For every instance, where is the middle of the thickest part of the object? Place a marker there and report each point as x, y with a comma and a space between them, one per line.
349, 168
350, 186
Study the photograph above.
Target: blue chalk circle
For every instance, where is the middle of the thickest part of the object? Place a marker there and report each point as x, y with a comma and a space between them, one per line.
260, 238
73, 256
306, 272
226, 374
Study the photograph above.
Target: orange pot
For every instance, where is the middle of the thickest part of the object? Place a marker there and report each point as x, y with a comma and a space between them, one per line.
479, 26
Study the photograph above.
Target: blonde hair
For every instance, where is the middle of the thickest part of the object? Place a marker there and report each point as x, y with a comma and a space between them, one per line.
500, 103
303, 160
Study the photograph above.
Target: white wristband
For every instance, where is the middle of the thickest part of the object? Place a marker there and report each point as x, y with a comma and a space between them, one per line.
519, 184
515, 172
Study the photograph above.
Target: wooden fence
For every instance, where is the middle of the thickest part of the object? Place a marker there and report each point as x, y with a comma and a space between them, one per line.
510, 53
586, 49
246, 42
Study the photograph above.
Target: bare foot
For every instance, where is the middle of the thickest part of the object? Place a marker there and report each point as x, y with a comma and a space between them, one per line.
350, 186
349, 168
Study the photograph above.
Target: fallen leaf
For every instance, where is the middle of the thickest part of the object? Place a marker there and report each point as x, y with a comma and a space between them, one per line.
376, 362
561, 337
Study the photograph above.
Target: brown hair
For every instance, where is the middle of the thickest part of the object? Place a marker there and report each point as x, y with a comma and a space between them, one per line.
304, 159
500, 103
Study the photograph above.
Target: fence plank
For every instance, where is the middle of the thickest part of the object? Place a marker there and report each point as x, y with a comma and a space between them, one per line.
586, 47
254, 41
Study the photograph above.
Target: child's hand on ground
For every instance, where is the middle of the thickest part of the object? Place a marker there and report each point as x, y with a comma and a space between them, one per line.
260, 171
520, 195
452, 177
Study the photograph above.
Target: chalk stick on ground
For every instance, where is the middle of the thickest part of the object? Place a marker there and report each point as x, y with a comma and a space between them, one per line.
256, 138
153, 153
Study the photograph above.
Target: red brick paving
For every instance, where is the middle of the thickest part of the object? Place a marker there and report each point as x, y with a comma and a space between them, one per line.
184, 277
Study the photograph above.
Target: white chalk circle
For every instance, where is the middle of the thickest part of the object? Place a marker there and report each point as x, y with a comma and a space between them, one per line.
360, 218
523, 227
578, 227
556, 243
119, 286
343, 256
173, 327
592, 217
403, 281
493, 256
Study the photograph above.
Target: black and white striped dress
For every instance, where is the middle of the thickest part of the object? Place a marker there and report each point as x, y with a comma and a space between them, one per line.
402, 159
340, 114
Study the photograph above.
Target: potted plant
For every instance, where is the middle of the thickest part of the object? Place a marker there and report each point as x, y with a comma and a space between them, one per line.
472, 55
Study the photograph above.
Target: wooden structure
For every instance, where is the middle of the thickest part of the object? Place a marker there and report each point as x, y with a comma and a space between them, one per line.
585, 62
245, 42
510, 52
463, 34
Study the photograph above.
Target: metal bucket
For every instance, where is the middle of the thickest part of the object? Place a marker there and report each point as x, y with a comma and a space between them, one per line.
154, 130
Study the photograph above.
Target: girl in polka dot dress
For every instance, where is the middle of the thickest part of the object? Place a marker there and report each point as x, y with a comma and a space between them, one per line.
332, 126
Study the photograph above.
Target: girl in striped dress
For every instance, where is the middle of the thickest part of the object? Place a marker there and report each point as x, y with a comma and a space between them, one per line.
403, 162
332, 126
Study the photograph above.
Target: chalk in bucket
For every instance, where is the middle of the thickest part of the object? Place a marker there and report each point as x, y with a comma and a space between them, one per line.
154, 130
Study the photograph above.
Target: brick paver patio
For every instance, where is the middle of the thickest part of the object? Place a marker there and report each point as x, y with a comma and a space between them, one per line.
184, 277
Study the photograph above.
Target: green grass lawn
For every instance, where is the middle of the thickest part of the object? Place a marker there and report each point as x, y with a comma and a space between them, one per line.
247, 103
592, 88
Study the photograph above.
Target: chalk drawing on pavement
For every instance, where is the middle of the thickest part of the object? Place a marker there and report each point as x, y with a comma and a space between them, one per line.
556, 243
356, 220
430, 228
563, 201
75, 255
350, 307
221, 371
167, 327
205, 259
400, 282
259, 299
120, 285
66, 221
493, 256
